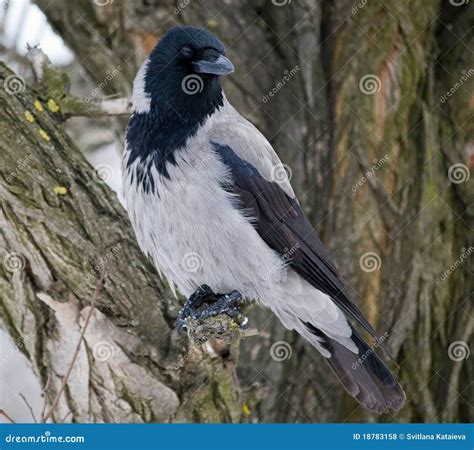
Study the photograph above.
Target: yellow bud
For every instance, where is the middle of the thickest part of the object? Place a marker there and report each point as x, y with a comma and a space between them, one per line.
38, 105
29, 117
44, 135
60, 190
212, 23
52, 105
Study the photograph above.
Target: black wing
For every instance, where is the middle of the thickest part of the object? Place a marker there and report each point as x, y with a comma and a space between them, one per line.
283, 226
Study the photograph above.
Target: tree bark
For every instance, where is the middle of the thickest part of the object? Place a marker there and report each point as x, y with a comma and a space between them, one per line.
61, 225
366, 121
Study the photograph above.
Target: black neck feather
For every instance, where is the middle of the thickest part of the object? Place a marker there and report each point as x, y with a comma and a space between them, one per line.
174, 117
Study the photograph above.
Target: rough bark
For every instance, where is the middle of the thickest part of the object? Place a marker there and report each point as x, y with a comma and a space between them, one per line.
61, 225
331, 126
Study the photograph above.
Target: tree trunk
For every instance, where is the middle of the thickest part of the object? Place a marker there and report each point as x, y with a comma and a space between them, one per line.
370, 105
61, 226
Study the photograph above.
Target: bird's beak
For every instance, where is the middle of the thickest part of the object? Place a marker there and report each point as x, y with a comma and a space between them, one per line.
220, 66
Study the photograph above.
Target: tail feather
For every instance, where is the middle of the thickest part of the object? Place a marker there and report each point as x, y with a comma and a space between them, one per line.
364, 375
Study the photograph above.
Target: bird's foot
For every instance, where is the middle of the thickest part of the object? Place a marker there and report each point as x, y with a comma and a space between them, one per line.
224, 304
202, 294
216, 304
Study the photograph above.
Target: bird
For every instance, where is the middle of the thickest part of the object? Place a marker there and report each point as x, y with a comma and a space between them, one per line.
212, 206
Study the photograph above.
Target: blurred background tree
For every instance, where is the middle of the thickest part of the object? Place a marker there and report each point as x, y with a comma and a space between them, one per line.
370, 106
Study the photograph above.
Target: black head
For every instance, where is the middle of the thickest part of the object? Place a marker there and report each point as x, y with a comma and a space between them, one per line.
174, 92
184, 68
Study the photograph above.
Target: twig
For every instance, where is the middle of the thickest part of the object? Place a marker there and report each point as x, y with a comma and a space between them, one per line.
4, 414
43, 392
103, 108
53, 83
37, 59
78, 347
29, 407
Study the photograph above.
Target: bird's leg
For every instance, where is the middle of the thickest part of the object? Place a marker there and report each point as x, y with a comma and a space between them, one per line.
216, 304
224, 304
202, 294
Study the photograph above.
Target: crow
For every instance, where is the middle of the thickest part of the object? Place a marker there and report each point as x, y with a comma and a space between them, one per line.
212, 205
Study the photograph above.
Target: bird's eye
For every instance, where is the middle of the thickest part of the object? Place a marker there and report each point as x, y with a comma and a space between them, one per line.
187, 52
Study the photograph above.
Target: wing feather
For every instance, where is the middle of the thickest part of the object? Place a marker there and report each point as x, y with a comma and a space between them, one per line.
282, 224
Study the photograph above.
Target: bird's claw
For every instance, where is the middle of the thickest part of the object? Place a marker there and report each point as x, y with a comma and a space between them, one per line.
217, 304
202, 294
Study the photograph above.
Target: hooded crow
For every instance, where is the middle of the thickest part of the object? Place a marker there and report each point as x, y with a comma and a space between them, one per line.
211, 204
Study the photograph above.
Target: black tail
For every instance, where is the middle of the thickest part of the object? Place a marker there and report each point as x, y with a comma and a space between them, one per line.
365, 376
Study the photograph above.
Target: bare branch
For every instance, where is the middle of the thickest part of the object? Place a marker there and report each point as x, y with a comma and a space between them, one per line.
29, 407
4, 414
106, 107
43, 392
54, 84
